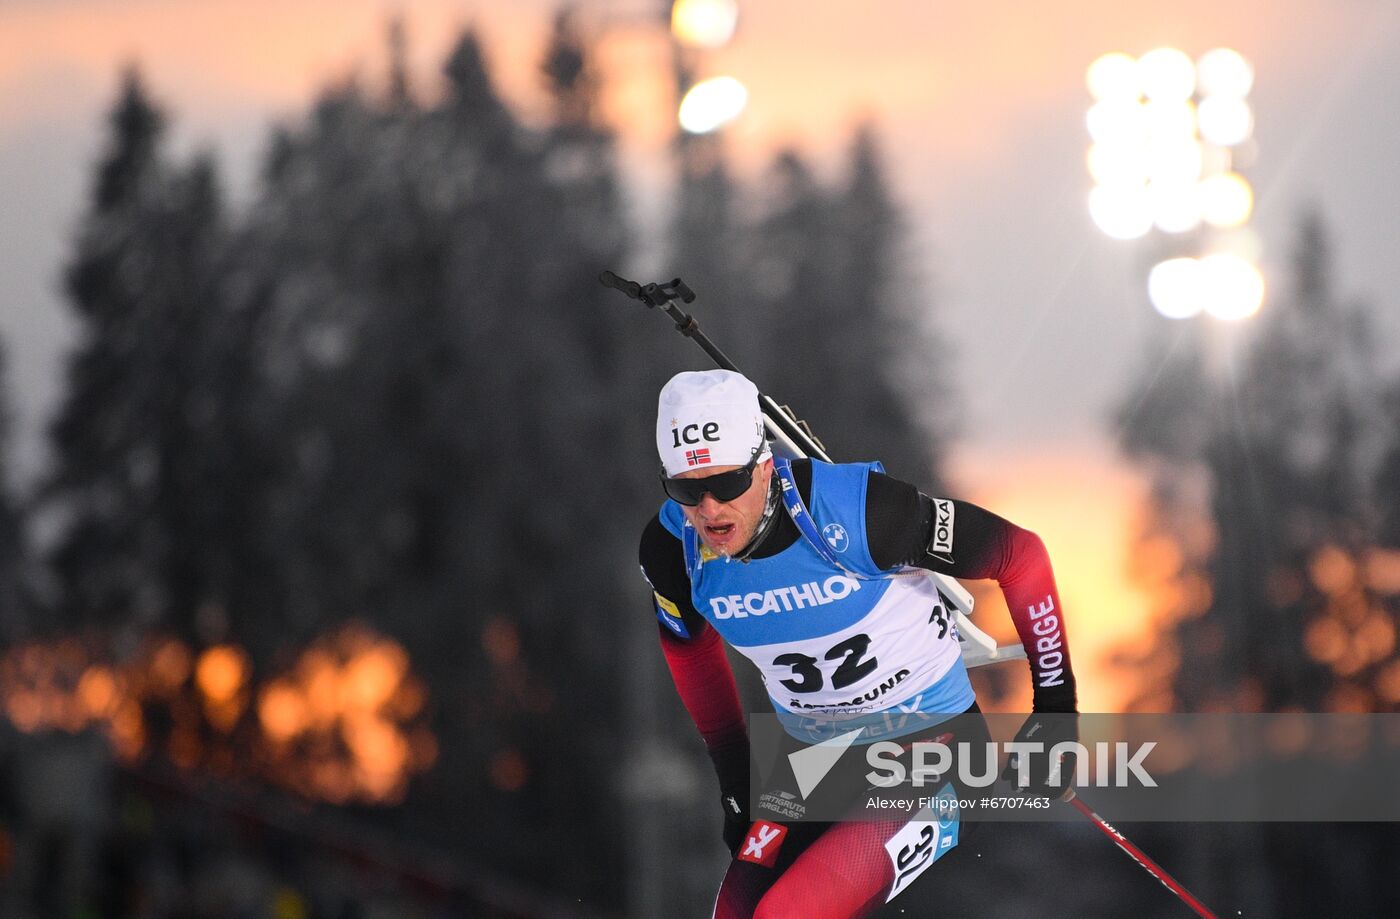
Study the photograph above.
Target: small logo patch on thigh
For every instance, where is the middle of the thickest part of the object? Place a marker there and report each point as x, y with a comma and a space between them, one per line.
762, 844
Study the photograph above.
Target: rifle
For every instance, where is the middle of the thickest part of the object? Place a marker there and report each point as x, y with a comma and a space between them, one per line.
793, 437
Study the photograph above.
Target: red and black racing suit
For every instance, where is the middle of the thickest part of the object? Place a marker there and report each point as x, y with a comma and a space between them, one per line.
841, 870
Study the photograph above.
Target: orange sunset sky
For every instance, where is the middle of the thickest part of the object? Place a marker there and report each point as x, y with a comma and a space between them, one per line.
980, 108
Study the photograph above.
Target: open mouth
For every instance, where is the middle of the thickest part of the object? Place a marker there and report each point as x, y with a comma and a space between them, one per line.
719, 531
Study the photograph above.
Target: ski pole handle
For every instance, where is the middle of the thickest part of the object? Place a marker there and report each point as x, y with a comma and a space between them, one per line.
630, 288
650, 294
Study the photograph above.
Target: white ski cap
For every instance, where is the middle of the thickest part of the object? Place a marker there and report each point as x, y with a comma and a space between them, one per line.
709, 418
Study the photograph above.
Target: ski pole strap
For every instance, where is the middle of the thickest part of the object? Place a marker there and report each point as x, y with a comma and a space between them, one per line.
802, 519
954, 597
694, 560
797, 510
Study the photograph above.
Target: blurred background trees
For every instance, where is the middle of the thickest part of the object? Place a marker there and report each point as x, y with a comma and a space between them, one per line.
337, 544
1264, 540
391, 392
1269, 457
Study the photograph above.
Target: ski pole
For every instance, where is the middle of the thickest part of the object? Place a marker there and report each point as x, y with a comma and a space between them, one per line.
782, 424
1139, 856
796, 438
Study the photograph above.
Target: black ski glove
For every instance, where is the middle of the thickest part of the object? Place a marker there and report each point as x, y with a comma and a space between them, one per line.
1054, 720
736, 818
732, 767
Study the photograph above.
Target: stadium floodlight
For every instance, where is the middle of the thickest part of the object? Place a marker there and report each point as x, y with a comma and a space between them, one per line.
1225, 121
1226, 200
1167, 75
711, 104
1176, 206
1170, 121
1231, 288
1114, 77
704, 23
1118, 122
1174, 287
1117, 164
1224, 72
1121, 211
1164, 129
1174, 163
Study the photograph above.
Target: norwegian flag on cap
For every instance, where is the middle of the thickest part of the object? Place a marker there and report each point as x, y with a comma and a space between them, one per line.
697, 457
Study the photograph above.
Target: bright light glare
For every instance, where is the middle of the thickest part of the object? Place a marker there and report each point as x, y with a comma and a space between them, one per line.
1116, 164
1226, 200
1117, 121
704, 23
1152, 146
1121, 211
1176, 206
1169, 122
1114, 76
1226, 120
1231, 287
1167, 75
1175, 163
1174, 286
1215, 160
712, 103
1224, 72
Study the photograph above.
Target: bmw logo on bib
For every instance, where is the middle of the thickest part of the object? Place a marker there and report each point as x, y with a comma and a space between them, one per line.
835, 535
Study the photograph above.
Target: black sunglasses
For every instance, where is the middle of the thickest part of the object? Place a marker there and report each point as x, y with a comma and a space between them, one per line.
725, 486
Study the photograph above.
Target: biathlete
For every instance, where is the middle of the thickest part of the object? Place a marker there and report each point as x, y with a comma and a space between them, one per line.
837, 630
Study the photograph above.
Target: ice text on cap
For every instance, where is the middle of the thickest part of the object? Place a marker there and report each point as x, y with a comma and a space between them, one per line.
710, 432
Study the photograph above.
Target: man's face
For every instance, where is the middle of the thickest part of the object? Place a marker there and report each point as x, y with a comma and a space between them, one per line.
728, 526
